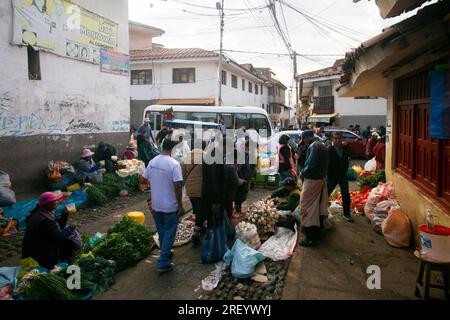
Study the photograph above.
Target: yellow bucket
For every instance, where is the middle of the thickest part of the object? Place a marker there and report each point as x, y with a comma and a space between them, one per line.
136, 216
73, 187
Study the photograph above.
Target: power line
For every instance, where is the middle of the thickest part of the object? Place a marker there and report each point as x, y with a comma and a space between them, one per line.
214, 8
285, 23
319, 23
285, 54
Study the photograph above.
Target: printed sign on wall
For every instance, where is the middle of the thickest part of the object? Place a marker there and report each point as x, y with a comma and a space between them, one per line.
114, 62
63, 28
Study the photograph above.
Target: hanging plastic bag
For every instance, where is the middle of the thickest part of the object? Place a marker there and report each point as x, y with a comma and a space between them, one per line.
397, 229
370, 165
248, 234
281, 245
243, 260
215, 245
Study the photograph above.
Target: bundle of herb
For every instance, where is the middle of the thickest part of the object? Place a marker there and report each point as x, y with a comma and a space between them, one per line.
99, 270
117, 248
136, 234
96, 197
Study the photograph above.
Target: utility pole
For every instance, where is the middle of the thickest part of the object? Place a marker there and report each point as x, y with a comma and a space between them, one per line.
295, 77
219, 7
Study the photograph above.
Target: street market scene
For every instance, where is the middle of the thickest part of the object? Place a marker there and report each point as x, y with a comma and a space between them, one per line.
306, 159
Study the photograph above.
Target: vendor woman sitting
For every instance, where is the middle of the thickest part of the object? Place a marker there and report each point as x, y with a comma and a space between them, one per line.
291, 191
87, 170
47, 239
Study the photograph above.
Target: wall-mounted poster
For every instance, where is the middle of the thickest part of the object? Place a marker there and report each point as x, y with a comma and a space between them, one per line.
114, 62
62, 28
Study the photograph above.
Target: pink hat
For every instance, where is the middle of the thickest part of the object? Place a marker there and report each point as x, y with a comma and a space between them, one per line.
48, 197
87, 153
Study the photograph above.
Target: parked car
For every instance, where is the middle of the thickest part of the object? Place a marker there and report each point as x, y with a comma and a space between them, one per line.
356, 143
293, 134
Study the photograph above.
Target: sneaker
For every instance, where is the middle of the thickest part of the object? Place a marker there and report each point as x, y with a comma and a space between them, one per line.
167, 269
348, 218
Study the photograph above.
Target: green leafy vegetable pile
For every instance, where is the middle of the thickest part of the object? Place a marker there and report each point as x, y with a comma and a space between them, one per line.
98, 270
373, 180
136, 234
110, 188
127, 242
51, 286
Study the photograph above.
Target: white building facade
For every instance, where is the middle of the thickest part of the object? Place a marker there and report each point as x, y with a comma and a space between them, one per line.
187, 76
54, 100
319, 93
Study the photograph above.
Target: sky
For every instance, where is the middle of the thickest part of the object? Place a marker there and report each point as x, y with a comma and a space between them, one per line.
331, 28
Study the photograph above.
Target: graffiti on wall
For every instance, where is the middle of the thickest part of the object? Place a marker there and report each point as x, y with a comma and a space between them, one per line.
120, 125
82, 125
68, 115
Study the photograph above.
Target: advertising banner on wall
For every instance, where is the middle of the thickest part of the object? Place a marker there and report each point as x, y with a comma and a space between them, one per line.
114, 62
63, 28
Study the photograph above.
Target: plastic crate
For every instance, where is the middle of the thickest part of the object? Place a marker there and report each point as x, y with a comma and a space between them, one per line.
273, 180
260, 179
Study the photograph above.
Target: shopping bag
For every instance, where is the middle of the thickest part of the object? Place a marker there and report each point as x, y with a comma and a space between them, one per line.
215, 245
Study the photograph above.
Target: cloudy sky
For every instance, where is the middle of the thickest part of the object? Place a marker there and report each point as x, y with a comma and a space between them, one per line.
323, 30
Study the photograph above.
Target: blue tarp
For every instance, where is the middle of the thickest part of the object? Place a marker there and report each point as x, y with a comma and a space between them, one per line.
439, 104
21, 209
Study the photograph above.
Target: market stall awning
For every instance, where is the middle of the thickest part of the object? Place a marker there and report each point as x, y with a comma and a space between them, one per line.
322, 117
206, 102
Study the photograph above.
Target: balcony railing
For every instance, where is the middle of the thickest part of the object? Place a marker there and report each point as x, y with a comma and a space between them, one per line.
323, 105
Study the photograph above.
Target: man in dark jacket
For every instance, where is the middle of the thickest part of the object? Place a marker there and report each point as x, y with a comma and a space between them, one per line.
337, 171
314, 197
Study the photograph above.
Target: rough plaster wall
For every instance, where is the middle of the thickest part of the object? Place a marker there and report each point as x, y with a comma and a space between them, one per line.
73, 97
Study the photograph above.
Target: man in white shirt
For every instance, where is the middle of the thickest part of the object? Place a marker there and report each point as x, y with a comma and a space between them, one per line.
165, 177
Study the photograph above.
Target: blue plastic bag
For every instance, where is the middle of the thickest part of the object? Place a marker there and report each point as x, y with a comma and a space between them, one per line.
243, 260
215, 245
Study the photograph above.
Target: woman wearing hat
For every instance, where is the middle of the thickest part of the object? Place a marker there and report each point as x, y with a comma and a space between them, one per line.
46, 237
87, 170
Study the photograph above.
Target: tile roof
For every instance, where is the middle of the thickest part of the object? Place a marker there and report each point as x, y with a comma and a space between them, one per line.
166, 54
336, 69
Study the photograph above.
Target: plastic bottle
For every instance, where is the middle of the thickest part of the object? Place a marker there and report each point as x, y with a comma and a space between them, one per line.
429, 220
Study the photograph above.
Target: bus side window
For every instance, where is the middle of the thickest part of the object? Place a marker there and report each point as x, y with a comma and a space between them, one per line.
242, 120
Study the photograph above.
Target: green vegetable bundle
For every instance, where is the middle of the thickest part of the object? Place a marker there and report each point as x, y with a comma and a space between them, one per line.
373, 180
117, 248
98, 270
96, 196
136, 234
50, 286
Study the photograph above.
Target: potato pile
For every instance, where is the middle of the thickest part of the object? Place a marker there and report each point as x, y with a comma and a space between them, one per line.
264, 215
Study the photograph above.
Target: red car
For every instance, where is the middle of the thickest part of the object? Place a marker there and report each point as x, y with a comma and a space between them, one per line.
356, 144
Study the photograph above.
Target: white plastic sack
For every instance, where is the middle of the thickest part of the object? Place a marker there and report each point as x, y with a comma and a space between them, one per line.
243, 260
7, 196
211, 281
381, 213
380, 193
248, 234
370, 165
281, 245
397, 229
